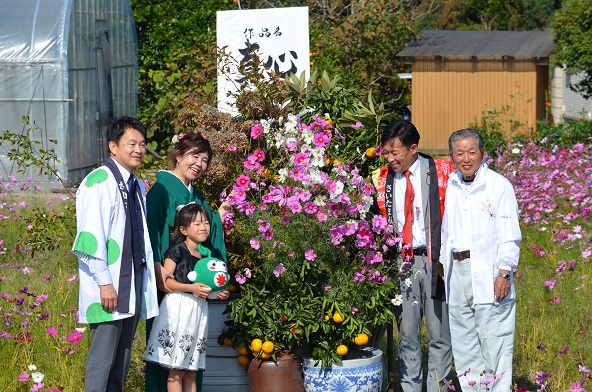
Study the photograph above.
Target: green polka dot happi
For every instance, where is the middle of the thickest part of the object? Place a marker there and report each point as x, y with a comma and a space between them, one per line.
96, 177
113, 251
95, 313
86, 243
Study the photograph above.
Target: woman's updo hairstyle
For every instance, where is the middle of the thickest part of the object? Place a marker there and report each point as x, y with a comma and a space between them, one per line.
189, 143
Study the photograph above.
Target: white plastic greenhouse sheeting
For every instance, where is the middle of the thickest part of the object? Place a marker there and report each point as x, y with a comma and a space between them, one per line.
33, 73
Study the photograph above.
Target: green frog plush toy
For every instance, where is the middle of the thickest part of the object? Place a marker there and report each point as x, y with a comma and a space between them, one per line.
210, 271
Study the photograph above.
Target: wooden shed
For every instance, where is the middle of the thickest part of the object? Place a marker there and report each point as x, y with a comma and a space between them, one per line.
456, 75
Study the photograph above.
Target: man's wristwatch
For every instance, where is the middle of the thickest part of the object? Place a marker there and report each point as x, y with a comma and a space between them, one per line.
505, 276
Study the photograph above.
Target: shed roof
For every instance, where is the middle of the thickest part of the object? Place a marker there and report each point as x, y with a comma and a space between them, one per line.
455, 43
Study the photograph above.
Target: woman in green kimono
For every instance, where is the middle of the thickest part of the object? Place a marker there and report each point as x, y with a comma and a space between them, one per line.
189, 160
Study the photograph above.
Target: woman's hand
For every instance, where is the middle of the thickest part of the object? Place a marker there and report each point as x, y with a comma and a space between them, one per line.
162, 275
222, 295
201, 290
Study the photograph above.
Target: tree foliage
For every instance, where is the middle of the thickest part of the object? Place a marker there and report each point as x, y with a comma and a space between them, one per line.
572, 26
487, 14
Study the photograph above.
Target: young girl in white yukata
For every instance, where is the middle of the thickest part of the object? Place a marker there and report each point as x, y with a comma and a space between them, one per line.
178, 337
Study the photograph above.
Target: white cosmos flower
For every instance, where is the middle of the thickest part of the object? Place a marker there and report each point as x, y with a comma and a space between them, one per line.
283, 174
515, 150
37, 377
407, 283
32, 367
398, 300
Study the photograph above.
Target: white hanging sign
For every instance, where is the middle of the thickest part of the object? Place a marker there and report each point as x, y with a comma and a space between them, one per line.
281, 34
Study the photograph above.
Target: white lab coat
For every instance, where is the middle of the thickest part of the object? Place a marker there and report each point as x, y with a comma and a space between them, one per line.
494, 233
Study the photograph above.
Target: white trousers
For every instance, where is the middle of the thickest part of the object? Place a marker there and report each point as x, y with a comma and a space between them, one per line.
482, 334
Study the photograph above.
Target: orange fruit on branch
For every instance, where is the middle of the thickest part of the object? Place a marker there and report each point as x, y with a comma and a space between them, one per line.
267, 347
243, 360
338, 317
361, 339
371, 152
256, 345
341, 350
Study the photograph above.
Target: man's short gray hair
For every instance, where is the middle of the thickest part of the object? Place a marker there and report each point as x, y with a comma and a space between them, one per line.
465, 134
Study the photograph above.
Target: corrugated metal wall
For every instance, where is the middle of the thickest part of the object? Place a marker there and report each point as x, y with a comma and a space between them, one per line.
448, 95
87, 19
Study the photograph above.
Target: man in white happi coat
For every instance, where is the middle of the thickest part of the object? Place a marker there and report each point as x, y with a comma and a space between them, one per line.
480, 250
117, 282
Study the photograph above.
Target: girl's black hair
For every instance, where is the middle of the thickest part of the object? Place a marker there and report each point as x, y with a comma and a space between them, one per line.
184, 218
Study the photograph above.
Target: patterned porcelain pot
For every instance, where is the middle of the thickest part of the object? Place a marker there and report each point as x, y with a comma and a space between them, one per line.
362, 374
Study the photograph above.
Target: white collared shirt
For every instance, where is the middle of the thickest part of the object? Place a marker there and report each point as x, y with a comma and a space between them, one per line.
418, 226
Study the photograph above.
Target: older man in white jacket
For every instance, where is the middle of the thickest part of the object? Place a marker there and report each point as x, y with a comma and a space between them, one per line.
480, 250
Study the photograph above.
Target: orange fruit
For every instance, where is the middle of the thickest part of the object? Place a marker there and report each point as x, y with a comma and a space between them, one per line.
256, 345
371, 152
228, 342
341, 350
242, 350
243, 360
283, 317
338, 317
265, 355
361, 339
295, 331
267, 347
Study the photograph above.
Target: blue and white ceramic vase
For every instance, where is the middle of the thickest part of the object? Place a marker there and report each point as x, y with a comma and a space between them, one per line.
352, 375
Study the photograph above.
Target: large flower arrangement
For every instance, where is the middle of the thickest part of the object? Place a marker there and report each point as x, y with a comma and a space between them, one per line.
312, 267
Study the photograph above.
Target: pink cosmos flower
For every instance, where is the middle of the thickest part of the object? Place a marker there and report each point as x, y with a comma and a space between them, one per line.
232, 148
285, 219
310, 255
379, 222
24, 376
240, 278
322, 139
256, 131
25, 270
73, 278
321, 217
577, 386
251, 164
259, 155
75, 337
263, 225
356, 125
311, 208
549, 284
255, 244
279, 269
243, 181
51, 331
249, 209
37, 387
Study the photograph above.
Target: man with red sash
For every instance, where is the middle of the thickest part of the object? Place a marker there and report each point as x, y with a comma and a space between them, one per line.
410, 194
